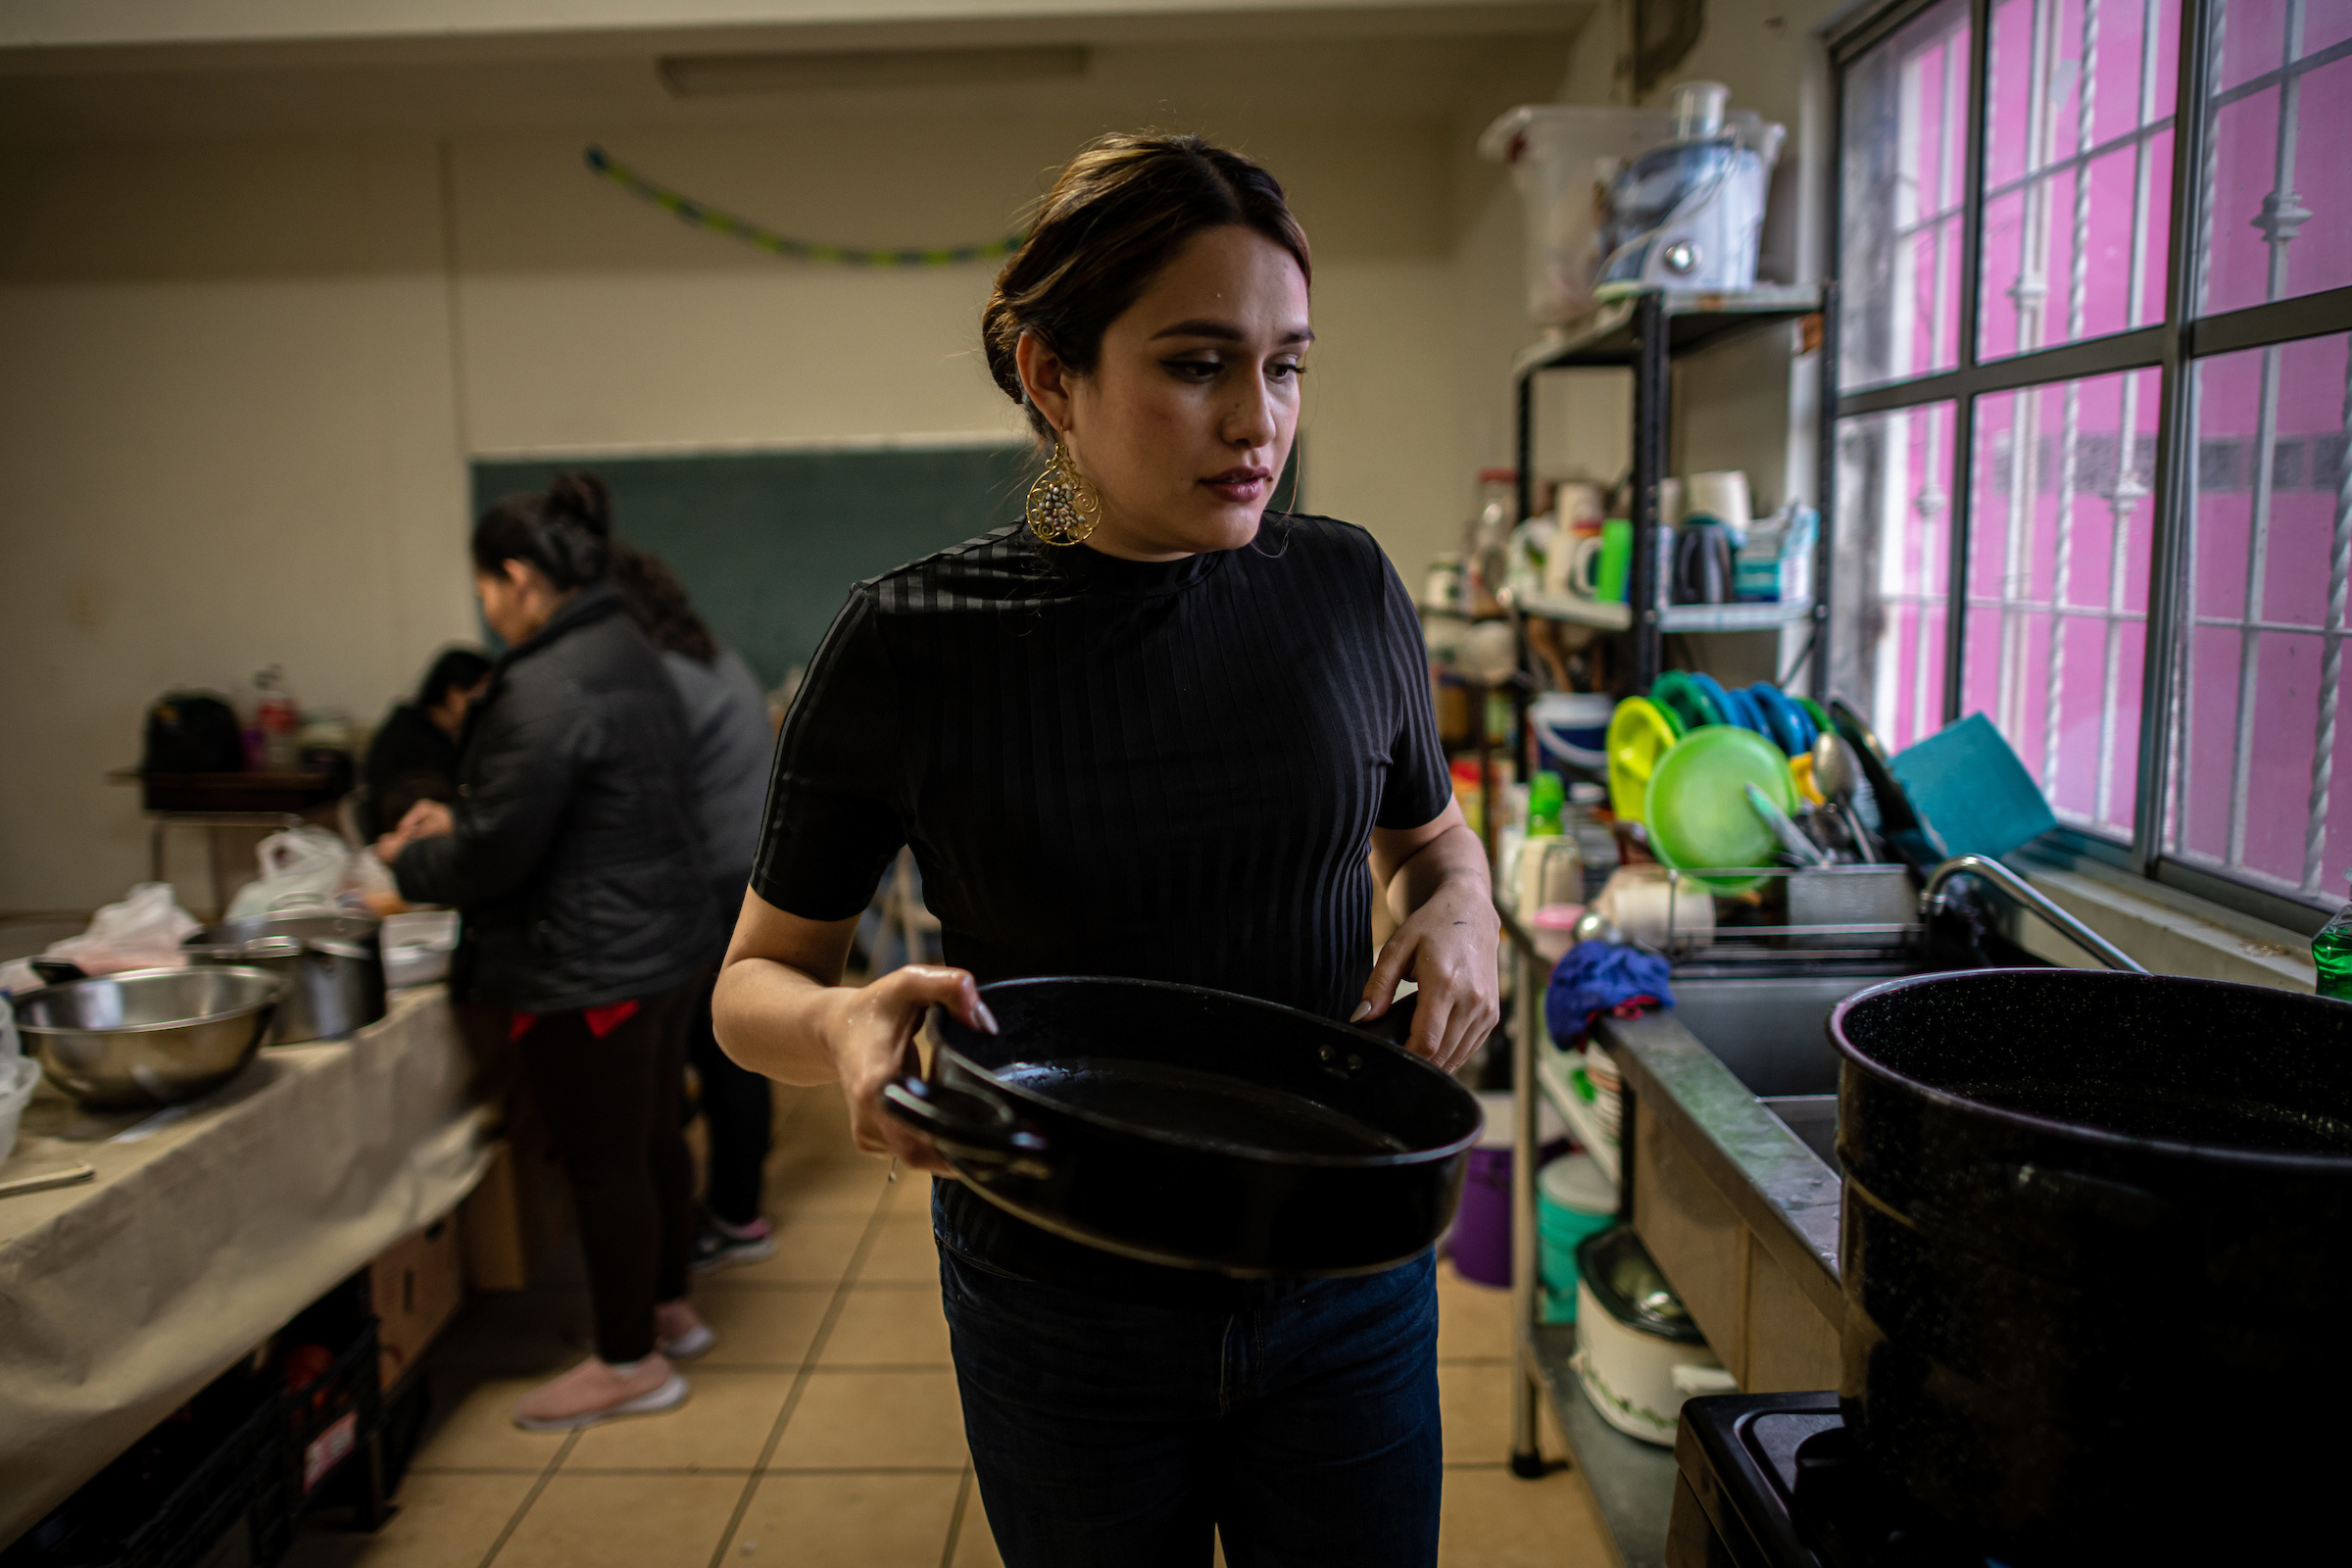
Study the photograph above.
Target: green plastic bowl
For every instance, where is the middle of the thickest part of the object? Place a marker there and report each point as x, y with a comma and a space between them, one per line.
1697, 809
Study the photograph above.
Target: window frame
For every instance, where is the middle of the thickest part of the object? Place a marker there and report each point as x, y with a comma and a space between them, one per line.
2173, 347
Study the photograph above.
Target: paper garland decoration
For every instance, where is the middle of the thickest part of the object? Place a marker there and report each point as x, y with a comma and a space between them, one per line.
694, 213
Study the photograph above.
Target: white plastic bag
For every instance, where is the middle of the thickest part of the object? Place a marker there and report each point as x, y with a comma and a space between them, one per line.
365, 875
142, 932
301, 867
17, 1078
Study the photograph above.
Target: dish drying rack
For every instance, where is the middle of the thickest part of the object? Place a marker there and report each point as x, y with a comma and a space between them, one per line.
1828, 913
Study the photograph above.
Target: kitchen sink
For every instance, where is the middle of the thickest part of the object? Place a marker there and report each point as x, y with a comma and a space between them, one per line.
1814, 1120
1772, 1030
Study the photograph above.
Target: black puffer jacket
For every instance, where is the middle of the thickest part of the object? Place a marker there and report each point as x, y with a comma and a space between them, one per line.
573, 858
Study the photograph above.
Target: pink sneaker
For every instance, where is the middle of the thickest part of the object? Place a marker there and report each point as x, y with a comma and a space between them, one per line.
722, 1244
679, 1333
595, 1391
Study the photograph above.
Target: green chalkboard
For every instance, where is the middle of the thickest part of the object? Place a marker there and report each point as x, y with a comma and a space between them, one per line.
769, 542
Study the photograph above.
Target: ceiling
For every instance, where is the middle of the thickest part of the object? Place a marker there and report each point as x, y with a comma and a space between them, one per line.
1365, 63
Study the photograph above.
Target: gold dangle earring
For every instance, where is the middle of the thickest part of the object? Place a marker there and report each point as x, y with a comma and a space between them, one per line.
1064, 508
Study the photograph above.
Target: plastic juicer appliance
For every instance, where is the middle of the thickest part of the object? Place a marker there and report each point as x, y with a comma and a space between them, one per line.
1689, 213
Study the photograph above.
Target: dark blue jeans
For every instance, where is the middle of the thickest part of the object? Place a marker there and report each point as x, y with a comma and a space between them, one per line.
1306, 1431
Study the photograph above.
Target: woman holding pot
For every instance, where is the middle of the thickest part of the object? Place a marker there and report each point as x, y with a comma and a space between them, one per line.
571, 852
1154, 734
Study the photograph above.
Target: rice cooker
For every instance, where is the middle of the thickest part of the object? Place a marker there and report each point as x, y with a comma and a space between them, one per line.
1637, 1354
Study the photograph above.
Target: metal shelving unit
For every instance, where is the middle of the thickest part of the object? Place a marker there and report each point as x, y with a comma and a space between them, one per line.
1630, 1482
1610, 616
1645, 333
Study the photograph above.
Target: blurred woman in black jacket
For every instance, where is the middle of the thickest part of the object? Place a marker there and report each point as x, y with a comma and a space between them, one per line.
571, 851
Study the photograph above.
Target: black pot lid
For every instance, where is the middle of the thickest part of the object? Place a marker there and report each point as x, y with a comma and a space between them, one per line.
1631, 1289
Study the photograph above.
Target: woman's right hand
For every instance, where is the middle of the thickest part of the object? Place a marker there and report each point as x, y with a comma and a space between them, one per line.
871, 1039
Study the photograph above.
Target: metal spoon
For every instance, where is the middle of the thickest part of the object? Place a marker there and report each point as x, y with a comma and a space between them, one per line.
1834, 767
1837, 774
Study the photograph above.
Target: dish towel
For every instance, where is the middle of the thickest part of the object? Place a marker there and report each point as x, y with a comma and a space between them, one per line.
1598, 977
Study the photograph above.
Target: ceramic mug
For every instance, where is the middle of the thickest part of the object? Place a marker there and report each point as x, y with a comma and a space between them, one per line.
1574, 565
1579, 504
1702, 564
1721, 495
1444, 588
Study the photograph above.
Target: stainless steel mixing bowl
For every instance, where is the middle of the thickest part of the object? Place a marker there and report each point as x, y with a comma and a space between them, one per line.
149, 1037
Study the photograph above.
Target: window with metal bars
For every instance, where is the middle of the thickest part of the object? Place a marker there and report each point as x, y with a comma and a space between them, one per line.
2093, 441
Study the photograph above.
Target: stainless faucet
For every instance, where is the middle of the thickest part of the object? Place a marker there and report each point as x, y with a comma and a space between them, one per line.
1932, 903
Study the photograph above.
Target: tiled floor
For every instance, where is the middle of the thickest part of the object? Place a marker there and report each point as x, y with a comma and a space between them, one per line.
824, 1428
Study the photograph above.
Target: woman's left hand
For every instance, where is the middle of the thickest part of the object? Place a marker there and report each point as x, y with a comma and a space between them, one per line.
425, 819
1446, 944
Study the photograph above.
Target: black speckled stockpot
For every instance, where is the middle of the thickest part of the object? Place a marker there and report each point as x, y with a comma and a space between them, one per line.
2098, 1254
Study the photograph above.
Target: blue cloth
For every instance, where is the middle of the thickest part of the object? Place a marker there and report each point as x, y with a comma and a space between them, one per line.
1597, 977
1305, 1432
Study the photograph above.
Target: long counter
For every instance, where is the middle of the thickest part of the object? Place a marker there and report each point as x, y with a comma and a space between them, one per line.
207, 1227
1739, 1213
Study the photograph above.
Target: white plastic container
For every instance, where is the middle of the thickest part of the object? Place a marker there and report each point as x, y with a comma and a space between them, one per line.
1573, 727
418, 946
1563, 159
18, 1076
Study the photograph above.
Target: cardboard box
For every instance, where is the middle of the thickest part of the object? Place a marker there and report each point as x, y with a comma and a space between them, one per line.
519, 1215
415, 1288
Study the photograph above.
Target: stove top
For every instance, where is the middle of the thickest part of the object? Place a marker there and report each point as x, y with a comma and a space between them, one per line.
1775, 1480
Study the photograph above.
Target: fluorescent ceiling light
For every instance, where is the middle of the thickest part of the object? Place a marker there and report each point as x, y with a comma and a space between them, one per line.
708, 75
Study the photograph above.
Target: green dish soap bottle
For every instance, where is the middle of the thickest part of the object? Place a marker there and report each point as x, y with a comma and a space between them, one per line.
2332, 953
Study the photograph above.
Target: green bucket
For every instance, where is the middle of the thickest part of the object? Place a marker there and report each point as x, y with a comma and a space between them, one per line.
1573, 1200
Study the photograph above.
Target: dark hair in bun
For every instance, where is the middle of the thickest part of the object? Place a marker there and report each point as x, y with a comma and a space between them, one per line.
566, 532
1118, 214
657, 602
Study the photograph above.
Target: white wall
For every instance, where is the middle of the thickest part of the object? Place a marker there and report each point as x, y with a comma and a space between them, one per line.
244, 378
225, 440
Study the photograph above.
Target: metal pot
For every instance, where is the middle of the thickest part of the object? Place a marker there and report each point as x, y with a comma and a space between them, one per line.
1188, 1127
149, 1037
2093, 1253
334, 965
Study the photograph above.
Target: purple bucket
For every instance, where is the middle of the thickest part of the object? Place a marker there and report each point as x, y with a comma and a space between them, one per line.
1481, 1226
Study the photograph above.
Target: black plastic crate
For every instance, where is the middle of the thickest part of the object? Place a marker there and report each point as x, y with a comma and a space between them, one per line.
241, 1485
225, 1505
332, 1416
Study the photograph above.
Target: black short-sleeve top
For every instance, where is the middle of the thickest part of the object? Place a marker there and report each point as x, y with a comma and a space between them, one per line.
1169, 771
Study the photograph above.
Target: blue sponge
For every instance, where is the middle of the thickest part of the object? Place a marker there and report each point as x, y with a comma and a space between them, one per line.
1969, 786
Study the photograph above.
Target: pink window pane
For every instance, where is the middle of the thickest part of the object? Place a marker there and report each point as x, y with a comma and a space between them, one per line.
2077, 160
2060, 535
2277, 219
1905, 136
2262, 760
1895, 476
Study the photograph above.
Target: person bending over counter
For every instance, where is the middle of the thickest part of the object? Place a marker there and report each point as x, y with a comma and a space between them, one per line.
413, 756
